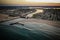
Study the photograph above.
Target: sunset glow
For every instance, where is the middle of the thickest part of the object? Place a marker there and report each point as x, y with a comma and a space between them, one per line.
31, 2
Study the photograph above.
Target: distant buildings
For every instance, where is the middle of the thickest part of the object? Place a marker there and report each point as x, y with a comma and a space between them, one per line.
49, 14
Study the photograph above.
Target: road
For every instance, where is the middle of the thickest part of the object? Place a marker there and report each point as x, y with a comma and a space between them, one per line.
30, 30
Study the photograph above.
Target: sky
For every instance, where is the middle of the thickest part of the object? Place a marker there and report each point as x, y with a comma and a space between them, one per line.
31, 2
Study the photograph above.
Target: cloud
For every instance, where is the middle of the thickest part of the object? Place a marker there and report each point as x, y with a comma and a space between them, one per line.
55, 1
